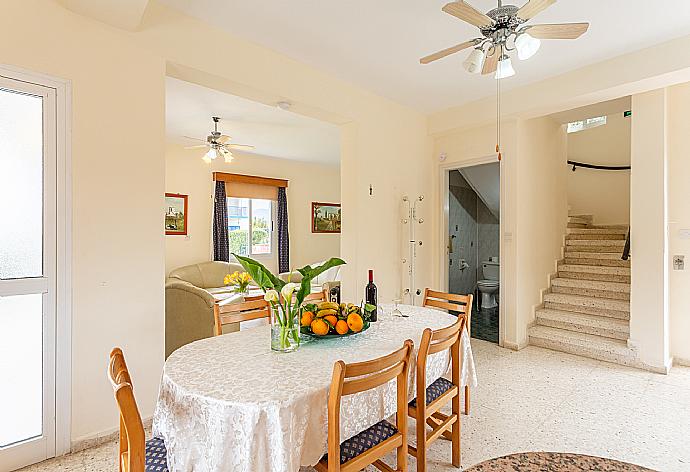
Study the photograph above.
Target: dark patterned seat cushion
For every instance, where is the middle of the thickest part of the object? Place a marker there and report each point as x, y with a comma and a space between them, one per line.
156, 456
365, 440
435, 390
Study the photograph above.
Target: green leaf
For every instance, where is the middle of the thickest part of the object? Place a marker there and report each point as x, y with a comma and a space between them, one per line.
308, 273
261, 275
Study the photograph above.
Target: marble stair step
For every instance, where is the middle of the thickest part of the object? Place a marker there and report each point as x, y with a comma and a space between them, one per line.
593, 260
584, 218
597, 230
577, 225
591, 288
582, 323
619, 309
594, 236
592, 269
614, 256
587, 345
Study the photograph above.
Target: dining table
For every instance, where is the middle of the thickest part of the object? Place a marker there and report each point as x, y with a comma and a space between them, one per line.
230, 403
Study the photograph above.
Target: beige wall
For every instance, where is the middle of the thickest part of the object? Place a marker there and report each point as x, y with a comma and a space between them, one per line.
679, 218
533, 211
604, 194
119, 163
118, 132
186, 173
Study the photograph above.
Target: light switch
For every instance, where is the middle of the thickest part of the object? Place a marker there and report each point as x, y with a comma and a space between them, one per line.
678, 262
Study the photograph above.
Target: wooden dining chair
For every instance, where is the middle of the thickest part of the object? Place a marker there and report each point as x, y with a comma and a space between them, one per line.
369, 446
460, 304
136, 454
316, 297
425, 408
238, 312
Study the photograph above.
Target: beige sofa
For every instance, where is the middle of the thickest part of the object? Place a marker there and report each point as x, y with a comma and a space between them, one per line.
190, 293
329, 275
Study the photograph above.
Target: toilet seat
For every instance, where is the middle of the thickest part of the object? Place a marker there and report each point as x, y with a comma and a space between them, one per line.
487, 283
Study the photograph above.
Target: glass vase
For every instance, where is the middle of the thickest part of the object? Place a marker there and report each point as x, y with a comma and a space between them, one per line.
285, 335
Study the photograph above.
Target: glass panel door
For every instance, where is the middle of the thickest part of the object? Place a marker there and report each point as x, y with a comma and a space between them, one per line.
27, 272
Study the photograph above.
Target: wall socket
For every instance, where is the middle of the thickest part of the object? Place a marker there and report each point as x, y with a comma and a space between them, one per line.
678, 262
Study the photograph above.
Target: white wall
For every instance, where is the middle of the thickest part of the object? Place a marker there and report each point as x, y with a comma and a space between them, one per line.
186, 173
648, 217
604, 194
679, 218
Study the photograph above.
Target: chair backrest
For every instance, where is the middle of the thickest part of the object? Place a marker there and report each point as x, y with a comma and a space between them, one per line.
349, 379
238, 312
448, 301
434, 341
316, 297
132, 456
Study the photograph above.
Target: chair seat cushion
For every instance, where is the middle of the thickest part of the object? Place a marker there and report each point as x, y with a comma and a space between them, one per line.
435, 390
156, 456
361, 442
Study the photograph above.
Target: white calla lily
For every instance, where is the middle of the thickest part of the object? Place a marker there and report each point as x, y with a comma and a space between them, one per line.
288, 290
271, 296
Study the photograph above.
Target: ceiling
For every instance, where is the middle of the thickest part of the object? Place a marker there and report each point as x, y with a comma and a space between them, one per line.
607, 108
274, 132
377, 44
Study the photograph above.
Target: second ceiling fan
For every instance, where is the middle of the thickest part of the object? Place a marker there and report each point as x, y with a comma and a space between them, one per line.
503, 30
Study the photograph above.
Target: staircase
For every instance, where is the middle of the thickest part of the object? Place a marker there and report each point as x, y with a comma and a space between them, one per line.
587, 309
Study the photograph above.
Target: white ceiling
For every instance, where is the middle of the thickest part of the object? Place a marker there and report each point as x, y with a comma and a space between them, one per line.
377, 44
273, 132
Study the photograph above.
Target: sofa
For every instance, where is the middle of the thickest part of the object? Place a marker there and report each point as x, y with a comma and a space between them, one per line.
329, 275
190, 293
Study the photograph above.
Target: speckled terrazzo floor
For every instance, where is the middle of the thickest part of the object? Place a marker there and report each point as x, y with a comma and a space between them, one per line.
540, 400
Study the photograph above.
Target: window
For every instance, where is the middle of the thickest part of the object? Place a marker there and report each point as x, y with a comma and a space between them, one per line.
576, 126
250, 226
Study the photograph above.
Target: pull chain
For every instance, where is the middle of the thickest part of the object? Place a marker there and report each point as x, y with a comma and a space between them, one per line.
498, 115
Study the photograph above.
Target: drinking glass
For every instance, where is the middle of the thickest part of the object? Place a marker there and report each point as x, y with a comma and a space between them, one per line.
396, 311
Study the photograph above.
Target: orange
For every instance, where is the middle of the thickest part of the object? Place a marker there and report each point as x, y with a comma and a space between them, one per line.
341, 327
332, 319
319, 327
355, 322
307, 318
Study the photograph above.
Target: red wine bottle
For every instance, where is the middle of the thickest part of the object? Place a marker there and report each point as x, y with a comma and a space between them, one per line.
370, 295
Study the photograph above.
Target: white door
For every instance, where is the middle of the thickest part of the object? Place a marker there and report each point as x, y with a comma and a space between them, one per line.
27, 272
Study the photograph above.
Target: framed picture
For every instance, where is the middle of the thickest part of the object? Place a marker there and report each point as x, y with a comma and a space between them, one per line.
325, 217
175, 213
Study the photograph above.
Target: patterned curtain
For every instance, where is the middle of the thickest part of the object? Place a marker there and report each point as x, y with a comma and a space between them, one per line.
221, 244
283, 236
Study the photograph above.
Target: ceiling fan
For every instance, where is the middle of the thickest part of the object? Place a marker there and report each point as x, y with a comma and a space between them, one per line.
219, 145
503, 30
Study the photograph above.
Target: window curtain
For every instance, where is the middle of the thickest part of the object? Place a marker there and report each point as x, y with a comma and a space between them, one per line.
221, 243
283, 236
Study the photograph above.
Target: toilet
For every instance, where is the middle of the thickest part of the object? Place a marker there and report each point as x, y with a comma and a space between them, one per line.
489, 285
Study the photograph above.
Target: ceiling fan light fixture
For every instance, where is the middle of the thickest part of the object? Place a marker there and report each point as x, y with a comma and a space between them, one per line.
475, 61
527, 46
209, 156
505, 68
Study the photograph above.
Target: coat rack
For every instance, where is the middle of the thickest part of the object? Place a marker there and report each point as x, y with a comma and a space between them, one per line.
412, 220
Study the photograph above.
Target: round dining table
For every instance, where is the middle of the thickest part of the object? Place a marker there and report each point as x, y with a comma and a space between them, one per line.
229, 403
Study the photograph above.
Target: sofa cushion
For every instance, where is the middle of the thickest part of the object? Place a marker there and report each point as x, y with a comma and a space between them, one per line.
206, 274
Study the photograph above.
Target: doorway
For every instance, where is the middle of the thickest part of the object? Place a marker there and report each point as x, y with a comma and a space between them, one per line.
473, 243
33, 273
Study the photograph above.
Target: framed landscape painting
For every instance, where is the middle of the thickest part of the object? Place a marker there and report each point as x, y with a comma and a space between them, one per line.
325, 217
175, 213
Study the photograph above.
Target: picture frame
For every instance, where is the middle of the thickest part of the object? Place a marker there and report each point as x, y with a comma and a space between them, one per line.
176, 214
325, 217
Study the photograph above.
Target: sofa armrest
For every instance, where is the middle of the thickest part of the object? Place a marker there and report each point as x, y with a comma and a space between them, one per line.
188, 314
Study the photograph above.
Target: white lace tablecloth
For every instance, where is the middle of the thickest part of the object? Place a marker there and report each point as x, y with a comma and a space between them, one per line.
229, 403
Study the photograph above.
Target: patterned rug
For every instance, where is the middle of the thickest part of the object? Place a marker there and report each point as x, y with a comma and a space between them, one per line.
553, 462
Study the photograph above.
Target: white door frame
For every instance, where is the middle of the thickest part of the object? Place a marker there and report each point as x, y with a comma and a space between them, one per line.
63, 228
444, 169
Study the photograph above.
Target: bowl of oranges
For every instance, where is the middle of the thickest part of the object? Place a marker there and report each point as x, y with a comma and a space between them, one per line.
332, 320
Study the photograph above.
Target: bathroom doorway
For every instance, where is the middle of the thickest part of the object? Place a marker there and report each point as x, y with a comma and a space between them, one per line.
473, 248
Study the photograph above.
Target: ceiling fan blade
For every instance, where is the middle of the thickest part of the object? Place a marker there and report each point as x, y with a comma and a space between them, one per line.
239, 146
195, 139
491, 62
223, 139
533, 8
467, 13
198, 146
558, 31
447, 52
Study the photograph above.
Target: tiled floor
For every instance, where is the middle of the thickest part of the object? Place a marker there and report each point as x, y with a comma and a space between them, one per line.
540, 400
485, 324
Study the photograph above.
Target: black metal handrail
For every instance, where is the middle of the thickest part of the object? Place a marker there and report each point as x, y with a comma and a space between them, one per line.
626, 248
576, 164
